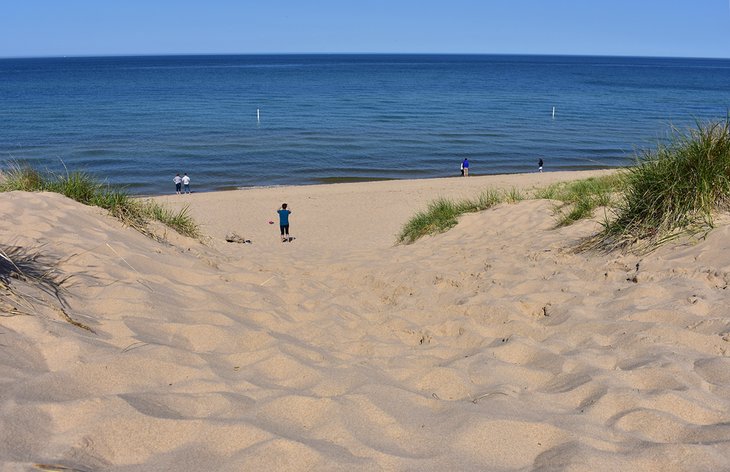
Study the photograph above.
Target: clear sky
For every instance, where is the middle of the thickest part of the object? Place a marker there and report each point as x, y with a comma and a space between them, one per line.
680, 28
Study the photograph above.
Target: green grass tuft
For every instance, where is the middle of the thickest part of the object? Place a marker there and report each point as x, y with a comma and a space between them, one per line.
440, 216
580, 198
443, 214
83, 188
674, 189
23, 178
514, 195
180, 221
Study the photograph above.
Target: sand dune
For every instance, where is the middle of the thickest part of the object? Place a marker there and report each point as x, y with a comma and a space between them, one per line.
490, 347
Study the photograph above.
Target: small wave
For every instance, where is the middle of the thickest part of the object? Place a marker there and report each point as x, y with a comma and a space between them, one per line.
93, 152
345, 180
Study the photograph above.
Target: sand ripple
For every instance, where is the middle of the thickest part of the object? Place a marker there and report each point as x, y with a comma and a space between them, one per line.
491, 347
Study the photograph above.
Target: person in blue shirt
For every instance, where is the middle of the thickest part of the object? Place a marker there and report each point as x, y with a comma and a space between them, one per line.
465, 167
284, 222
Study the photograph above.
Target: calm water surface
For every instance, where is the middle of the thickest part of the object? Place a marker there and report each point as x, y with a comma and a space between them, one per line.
136, 121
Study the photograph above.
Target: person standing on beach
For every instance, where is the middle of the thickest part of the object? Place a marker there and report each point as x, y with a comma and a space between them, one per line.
178, 183
186, 183
539, 165
284, 222
465, 167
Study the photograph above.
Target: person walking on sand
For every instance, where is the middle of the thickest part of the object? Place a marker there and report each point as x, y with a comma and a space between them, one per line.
284, 222
178, 183
539, 165
186, 183
465, 167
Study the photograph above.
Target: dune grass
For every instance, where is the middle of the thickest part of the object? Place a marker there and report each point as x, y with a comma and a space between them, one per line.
84, 188
18, 265
443, 214
580, 198
673, 190
180, 221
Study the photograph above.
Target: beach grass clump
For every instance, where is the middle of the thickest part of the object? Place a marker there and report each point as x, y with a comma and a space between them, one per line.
443, 214
486, 199
78, 186
84, 188
674, 189
580, 198
440, 216
22, 178
181, 221
514, 195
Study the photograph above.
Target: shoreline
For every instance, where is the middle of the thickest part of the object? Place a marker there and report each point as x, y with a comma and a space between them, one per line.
326, 216
346, 181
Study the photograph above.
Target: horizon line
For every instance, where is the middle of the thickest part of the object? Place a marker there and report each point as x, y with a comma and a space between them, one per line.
129, 55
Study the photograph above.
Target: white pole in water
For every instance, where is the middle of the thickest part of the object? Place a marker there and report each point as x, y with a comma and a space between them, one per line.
553, 112
258, 115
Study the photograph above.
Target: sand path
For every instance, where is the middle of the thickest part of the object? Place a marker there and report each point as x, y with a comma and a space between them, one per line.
490, 347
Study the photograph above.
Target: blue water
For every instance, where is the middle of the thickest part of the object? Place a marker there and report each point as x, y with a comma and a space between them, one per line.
136, 121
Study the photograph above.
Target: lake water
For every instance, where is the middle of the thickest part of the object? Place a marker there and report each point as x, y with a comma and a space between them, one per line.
256, 120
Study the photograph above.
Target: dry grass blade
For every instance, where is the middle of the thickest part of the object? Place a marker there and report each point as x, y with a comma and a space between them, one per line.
134, 345
18, 264
58, 468
488, 394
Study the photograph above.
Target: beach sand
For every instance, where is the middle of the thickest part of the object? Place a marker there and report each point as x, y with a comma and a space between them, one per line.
491, 347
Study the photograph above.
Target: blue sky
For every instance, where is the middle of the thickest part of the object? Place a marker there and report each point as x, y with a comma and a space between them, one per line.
697, 28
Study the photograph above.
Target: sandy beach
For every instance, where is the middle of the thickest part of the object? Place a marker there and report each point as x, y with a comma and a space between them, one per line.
492, 347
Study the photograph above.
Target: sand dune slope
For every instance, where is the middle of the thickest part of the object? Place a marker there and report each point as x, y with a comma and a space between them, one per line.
490, 347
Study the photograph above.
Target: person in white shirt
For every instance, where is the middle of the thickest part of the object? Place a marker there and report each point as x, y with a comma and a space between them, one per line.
186, 183
178, 183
